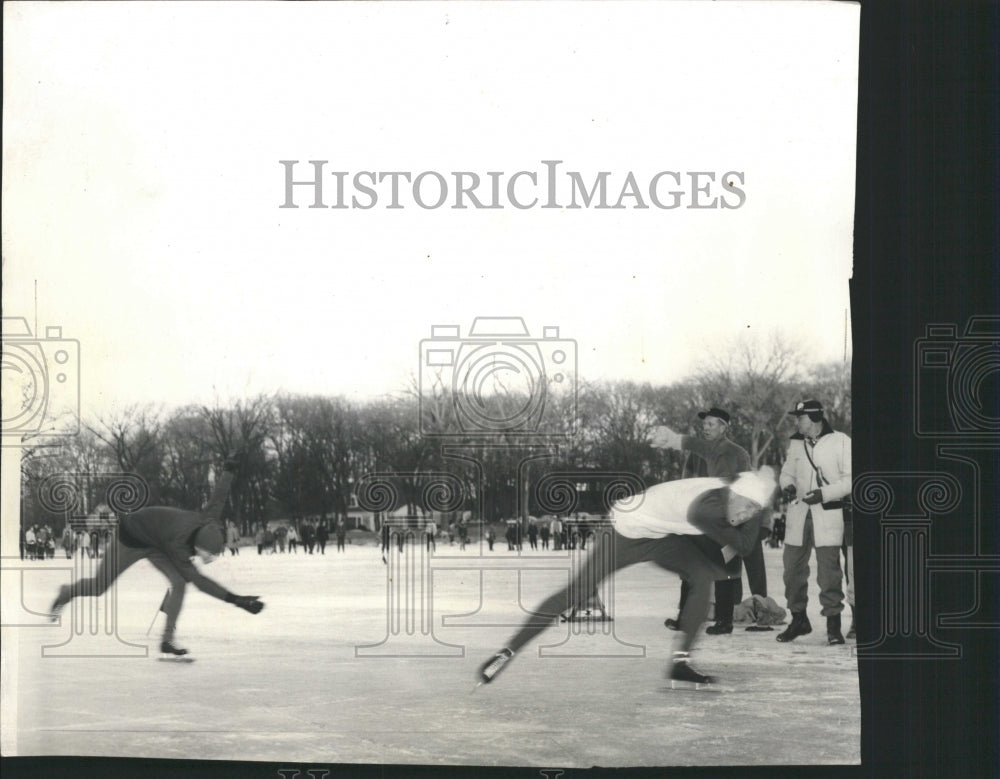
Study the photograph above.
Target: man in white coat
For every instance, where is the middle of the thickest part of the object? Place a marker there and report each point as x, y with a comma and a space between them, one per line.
815, 479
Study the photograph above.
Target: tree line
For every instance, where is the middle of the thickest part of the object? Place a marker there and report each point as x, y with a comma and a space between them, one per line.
318, 456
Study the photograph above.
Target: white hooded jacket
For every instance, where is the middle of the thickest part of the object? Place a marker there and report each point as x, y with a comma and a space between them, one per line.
832, 456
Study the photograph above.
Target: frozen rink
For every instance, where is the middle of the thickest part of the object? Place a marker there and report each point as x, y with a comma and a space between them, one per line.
288, 684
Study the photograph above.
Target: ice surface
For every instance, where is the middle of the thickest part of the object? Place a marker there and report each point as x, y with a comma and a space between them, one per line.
289, 684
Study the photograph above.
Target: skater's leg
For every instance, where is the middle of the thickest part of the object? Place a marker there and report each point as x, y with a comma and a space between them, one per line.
109, 568
175, 595
695, 612
682, 556
595, 568
670, 622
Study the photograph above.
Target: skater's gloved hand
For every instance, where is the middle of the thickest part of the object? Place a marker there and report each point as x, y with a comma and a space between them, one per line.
251, 603
789, 493
813, 497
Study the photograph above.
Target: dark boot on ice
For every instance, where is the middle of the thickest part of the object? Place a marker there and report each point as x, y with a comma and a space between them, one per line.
684, 677
800, 626
672, 624
833, 634
720, 629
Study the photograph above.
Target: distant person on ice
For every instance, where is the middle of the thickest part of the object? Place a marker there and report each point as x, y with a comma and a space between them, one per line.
168, 538
689, 526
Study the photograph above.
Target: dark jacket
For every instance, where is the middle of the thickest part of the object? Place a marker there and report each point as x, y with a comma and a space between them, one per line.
170, 531
722, 457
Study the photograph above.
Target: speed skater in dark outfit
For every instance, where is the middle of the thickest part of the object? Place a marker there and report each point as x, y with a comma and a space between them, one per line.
689, 526
168, 538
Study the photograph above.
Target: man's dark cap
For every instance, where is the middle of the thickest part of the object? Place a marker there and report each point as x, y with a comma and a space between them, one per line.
807, 407
717, 412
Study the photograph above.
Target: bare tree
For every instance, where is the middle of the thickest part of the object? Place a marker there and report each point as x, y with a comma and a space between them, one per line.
187, 458
756, 379
830, 383
615, 422
243, 428
133, 435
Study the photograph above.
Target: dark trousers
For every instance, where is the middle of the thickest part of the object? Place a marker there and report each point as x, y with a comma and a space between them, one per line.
676, 553
729, 592
117, 559
828, 574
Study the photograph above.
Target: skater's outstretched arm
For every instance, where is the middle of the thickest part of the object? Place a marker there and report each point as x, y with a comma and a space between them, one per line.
251, 603
223, 484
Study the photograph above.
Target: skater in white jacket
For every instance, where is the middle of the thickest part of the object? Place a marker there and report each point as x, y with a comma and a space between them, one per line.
689, 526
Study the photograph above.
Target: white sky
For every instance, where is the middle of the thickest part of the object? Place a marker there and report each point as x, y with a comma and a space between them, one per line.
141, 184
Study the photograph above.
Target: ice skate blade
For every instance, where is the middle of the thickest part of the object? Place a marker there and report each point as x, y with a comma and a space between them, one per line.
675, 685
175, 659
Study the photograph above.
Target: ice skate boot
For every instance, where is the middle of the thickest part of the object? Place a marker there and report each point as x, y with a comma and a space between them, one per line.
170, 652
489, 670
684, 677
